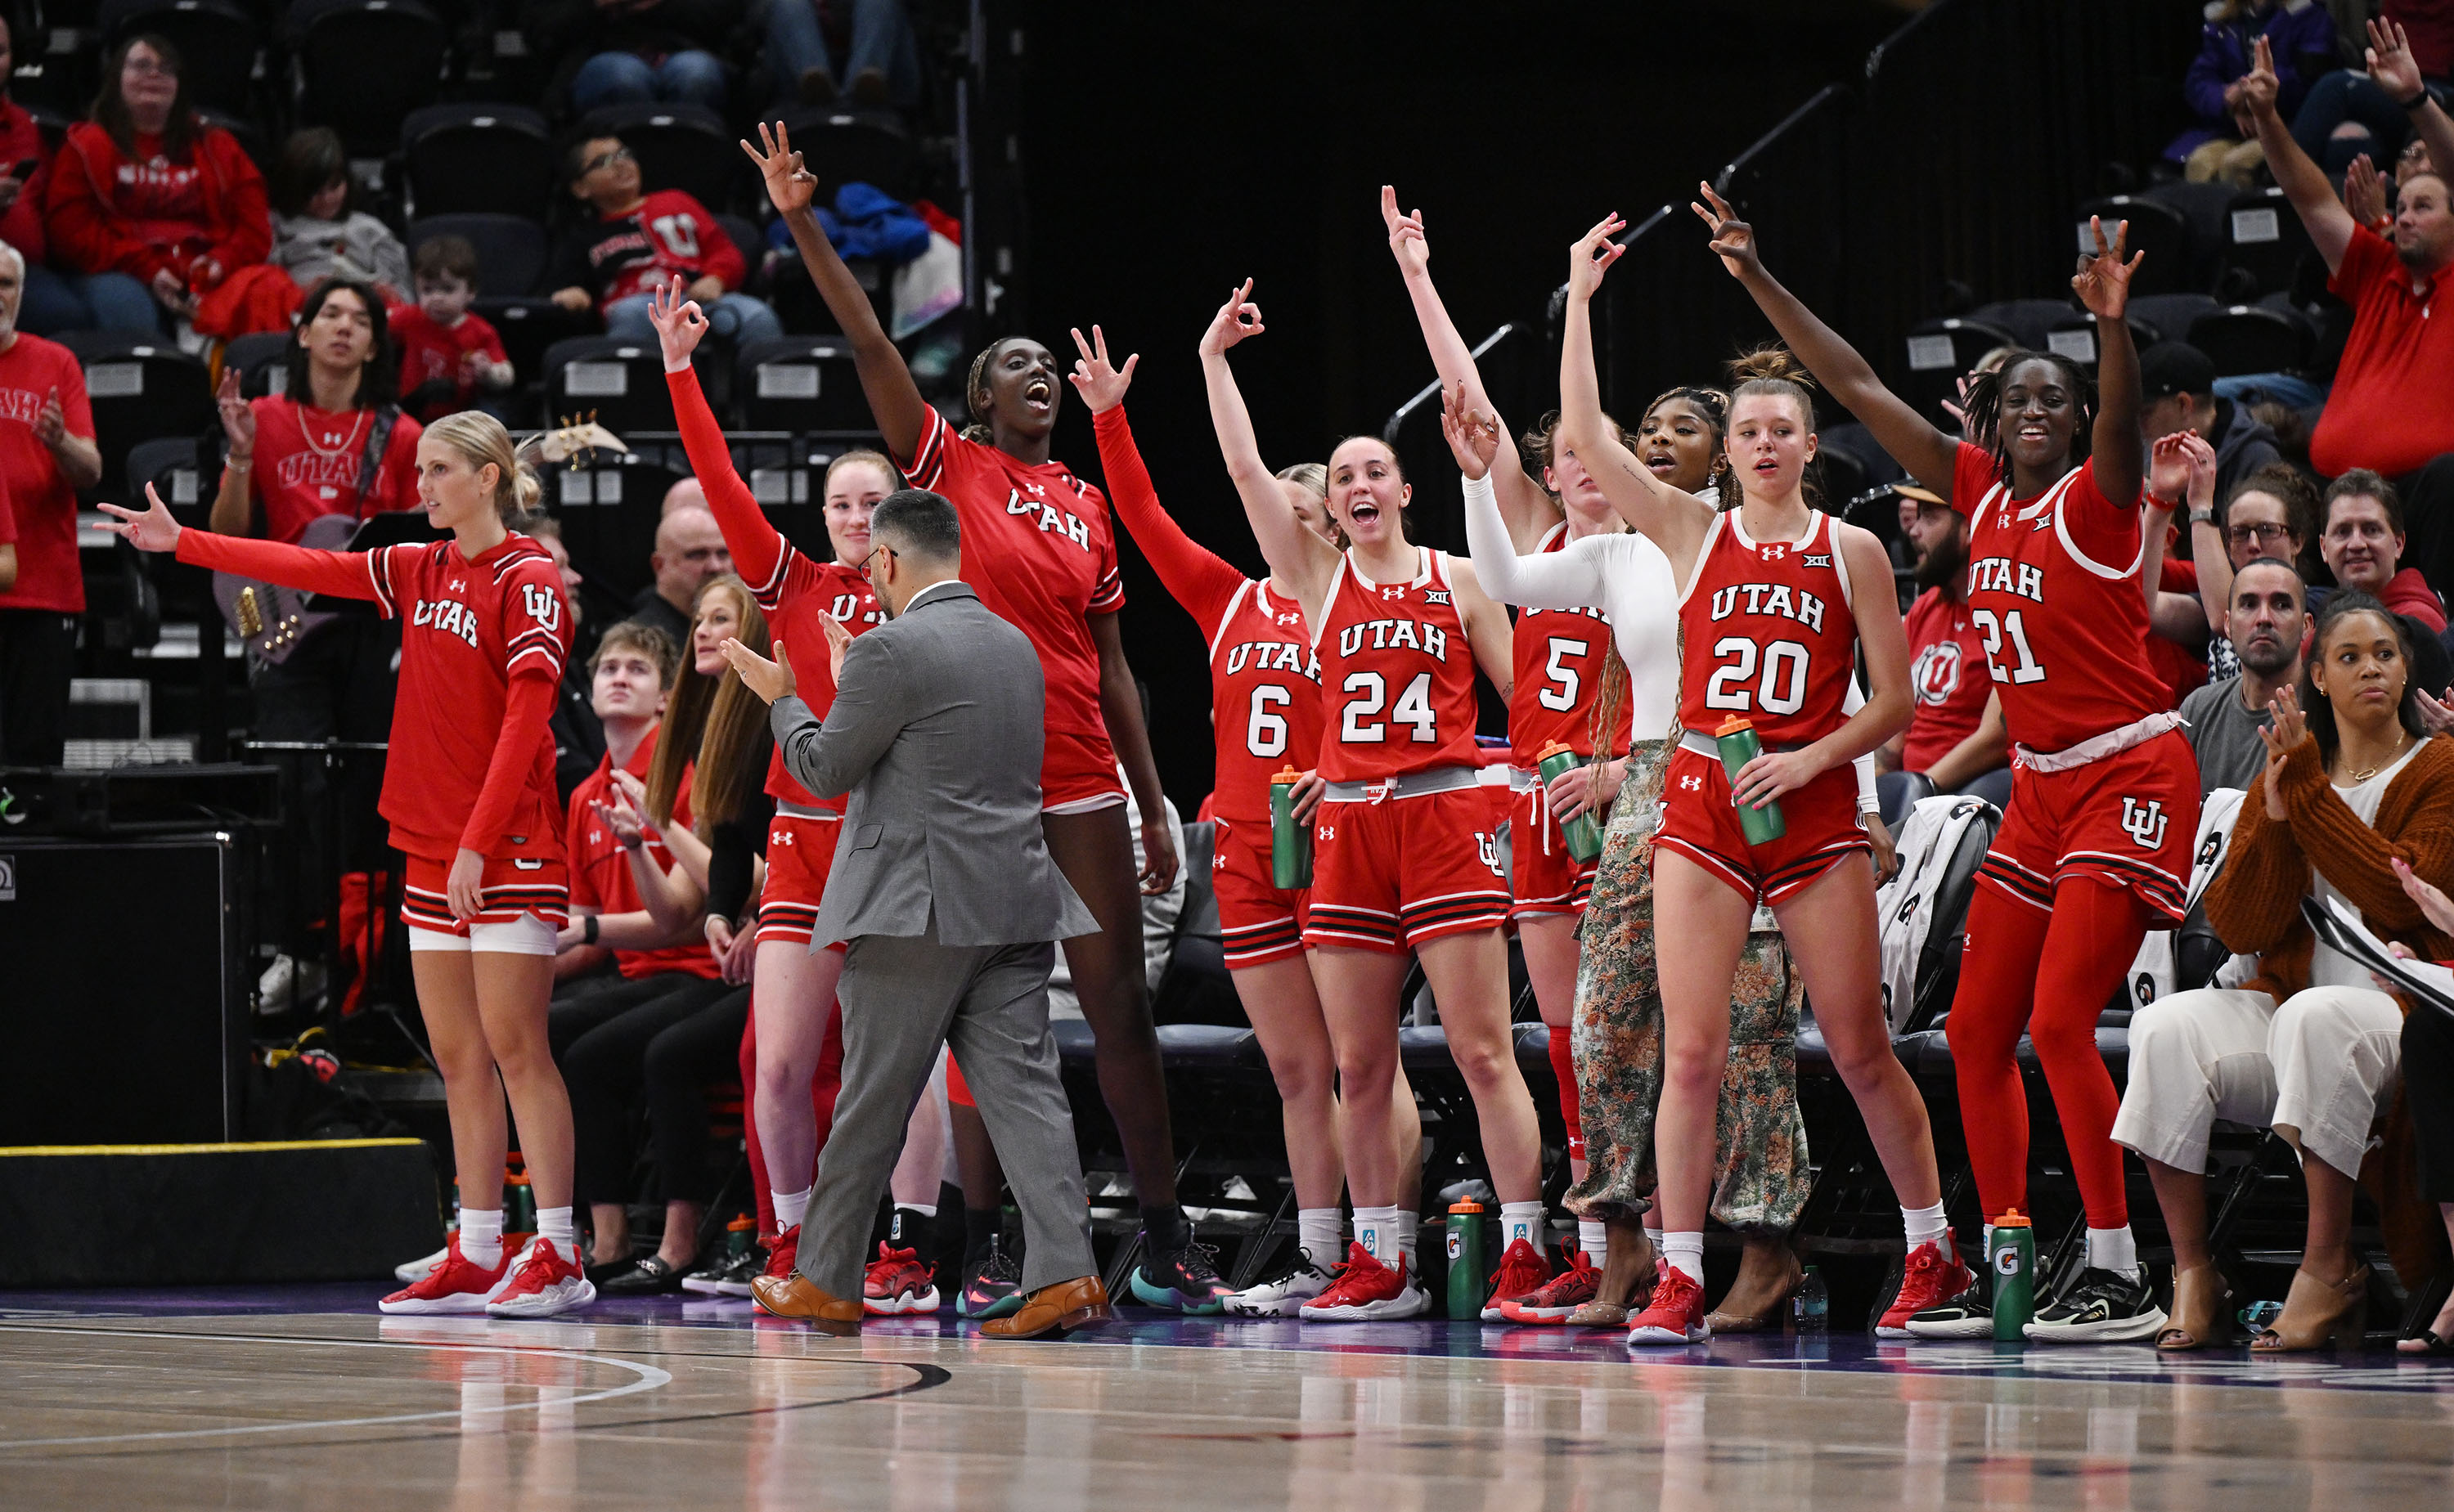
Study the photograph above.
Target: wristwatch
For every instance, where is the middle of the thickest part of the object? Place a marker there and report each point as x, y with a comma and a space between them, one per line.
588, 928
2205, 514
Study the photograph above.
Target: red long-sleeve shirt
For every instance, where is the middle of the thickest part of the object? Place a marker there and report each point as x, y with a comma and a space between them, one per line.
109, 211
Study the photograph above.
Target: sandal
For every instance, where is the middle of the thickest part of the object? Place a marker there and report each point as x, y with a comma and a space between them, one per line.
2315, 1314
2201, 1312
1599, 1315
1769, 1320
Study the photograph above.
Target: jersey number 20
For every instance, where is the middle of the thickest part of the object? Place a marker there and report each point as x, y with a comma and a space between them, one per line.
1783, 687
1413, 707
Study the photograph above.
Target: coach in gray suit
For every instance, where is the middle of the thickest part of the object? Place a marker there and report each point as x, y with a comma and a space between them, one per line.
943, 888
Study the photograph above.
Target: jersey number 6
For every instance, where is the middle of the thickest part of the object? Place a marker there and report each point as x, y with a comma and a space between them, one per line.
1783, 690
1413, 707
1265, 731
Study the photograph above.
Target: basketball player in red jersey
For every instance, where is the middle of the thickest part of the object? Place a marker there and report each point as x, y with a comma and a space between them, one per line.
471, 798
1051, 571
2105, 789
1773, 624
1403, 854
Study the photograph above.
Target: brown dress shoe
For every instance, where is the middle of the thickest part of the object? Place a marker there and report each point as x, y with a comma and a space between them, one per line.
1081, 1303
793, 1297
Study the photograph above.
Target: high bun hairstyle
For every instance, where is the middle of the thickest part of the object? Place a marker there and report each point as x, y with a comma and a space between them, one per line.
481, 439
1772, 370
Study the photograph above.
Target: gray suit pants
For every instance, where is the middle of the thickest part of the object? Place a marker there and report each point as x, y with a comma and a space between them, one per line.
902, 997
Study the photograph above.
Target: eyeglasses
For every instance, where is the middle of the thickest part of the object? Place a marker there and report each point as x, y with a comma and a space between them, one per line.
2244, 534
620, 154
874, 553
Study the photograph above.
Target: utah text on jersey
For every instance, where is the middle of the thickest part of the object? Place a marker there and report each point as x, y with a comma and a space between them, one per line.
846, 609
1410, 635
1770, 598
2000, 575
451, 616
1274, 656
1052, 519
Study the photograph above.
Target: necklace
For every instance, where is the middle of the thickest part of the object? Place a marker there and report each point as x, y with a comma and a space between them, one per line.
2365, 773
348, 443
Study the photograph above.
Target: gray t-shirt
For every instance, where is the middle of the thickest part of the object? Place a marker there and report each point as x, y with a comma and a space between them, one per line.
2225, 736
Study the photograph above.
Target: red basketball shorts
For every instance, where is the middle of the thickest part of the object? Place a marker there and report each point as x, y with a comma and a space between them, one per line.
2128, 820
1258, 921
1077, 773
1548, 879
800, 852
1820, 828
1389, 875
511, 889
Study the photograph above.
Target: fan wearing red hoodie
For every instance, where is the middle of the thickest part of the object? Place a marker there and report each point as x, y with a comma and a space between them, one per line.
639, 242
148, 203
470, 795
47, 453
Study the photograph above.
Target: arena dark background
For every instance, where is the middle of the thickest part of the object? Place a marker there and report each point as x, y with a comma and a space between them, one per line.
1171, 150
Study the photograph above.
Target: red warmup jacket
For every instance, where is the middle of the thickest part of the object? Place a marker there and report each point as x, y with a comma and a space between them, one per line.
92, 230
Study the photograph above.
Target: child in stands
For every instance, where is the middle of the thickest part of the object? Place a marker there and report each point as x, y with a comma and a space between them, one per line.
449, 354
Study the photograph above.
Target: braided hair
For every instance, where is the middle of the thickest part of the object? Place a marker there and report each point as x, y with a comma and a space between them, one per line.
974, 388
1983, 405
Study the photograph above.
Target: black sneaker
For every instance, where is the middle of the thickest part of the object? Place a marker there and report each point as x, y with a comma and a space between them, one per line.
727, 1277
995, 1286
1970, 1315
1183, 1281
2102, 1307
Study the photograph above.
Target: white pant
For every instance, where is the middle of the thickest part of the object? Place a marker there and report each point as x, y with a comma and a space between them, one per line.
2318, 1071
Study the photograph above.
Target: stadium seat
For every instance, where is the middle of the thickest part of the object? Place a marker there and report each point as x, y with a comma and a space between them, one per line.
260, 359
1940, 353
749, 241
221, 45
620, 382
1859, 443
1195, 989
2253, 338
843, 148
529, 324
800, 383
609, 509
479, 160
511, 250
2156, 228
2032, 320
2167, 317
680, 146
143, 388
178, 467
2263, 237
2203, 209
364, 64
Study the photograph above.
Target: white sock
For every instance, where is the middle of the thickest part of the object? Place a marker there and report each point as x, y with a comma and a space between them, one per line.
2113, 1249
481, 1237
1317, 1230
1377, 1230
1926, 1226
554, 1224
1521, 1221
1685, 1252
1594, 1239
789, 1208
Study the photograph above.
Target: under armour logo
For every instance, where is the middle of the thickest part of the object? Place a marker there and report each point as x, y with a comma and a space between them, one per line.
1291, 617
1393, 593
1776, 553
2144, 822
1693, 784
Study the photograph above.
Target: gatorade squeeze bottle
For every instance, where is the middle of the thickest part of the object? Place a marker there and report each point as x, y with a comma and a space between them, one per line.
1736, 740
1466, 1260
1584, 837
1290, 843
738, 1234
2011, 1254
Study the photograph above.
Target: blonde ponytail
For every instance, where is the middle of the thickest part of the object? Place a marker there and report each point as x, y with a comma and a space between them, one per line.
481, 439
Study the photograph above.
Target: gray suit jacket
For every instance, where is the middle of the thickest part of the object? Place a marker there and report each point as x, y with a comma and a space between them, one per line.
935, 732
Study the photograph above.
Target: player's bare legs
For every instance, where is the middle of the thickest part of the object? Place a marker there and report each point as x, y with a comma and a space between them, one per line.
511, 993
455, 1035
1469, 980
1709, 920
796, 992
1359, 998
1285, 1012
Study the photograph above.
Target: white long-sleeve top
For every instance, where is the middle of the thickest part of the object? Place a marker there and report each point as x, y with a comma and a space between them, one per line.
1628, 578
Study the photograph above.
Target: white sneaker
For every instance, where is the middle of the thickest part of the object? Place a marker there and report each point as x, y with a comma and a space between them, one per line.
417, 1270
1284, 1296
544, 1282
287, 984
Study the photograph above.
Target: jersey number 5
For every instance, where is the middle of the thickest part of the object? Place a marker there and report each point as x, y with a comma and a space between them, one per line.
1560, 681
1783, 688
1996, 631
1413, 707
1265, 731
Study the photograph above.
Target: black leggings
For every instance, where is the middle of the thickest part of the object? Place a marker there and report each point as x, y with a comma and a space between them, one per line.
607, 1043
2428, 1088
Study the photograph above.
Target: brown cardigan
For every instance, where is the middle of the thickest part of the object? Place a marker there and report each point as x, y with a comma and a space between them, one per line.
2255, 903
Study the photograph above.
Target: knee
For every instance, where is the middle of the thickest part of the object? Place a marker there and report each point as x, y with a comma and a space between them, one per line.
1860, 1058
1301, 1076
1976, 1040
463, 1062
1483, 1064
612, 78
694, 77
1692, 1067
525, 1059
2063, 1039
1366, 1077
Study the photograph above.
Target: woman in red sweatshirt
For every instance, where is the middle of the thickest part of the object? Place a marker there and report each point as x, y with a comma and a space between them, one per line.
468, 792
147, 204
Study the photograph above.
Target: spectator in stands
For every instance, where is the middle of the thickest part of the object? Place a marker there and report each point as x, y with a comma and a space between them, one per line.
2266, 620
147, 204
2349, 112
47, 304
448, 355
689, 550
2427, 1071
2272, 512
686, 493
2309, 1045
2362, 543
319, 233
633, 52
579, 736
637, 241
881, 69
1955, 734
46, 454
2177, 393
2223, 143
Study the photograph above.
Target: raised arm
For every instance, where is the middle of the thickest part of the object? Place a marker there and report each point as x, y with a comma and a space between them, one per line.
2391, 64
1296, 556
1675, 519
1914, 441
758, 549
1197, 577
1543, 580
894, 400
2303, 182
1523, 505
1487, 628
2103, 285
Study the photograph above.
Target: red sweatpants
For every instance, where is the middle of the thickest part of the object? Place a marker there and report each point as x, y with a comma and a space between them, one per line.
1563, 1066
2051, 973
824, 1084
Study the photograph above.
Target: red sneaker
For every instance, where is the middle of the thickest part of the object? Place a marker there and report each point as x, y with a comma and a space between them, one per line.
1930, 1279
1558, 1296
1364, 1290
1521, 1273
897, 1284
1676, 1315
784, 1253
458, 1284
545, 1282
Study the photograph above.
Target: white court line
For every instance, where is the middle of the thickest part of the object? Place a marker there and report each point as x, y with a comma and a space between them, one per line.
650, 1377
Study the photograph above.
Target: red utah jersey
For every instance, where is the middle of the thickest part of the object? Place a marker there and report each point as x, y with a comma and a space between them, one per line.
1946, 676
1770, 633
1264, 700
1043, 555
1559, 661
1397, 675
600, 868
2053, 587
308, 463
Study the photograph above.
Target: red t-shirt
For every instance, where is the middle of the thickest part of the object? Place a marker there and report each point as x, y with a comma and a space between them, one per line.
48, 575
2391, 408
600, 870
669, 233
21, 225
2181, 672
1948, 677
307, 463
429, 352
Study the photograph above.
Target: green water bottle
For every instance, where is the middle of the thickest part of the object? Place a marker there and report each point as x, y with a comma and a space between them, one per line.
1289, 842
1739, 746
1584, 837
738, 1236
519, 1209
2011, 1255
1466, 1260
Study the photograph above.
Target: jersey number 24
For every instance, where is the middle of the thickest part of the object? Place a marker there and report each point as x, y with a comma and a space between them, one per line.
1369, 693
